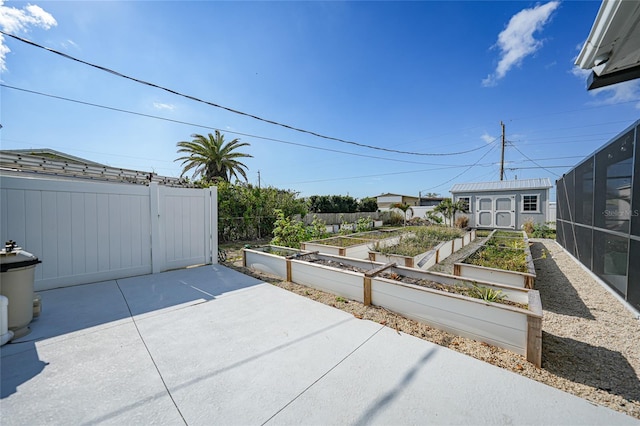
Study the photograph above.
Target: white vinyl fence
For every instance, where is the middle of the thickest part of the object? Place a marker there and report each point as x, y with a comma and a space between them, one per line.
87, 231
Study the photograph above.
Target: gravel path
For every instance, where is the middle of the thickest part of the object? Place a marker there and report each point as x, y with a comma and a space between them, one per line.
590, 340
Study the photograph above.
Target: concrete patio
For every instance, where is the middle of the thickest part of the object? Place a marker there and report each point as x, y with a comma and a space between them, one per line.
210, 345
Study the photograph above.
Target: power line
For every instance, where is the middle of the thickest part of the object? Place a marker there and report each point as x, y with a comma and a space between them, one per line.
463, 172
213, 128
232, 110
374, 175
542, 167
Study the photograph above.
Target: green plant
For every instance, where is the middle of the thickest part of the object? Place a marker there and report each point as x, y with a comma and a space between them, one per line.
317, 230
423, 239
405, 209
287, 232
432, 217
364, 224
395, 219
341, 299
448, 208
486, 293
500, 258
542, 231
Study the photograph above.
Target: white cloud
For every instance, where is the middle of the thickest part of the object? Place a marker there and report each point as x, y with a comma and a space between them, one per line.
628, 91
159, 105
517, 40
487, 137
13, 20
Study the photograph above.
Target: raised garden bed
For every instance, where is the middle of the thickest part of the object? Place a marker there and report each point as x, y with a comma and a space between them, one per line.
439, 300
427, 253
355, 245
504, 258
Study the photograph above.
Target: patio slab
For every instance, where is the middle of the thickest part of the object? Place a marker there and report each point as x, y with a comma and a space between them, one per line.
209, 345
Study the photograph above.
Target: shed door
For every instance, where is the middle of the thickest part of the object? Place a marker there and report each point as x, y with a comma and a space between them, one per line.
505, 212
496, 211
484, 212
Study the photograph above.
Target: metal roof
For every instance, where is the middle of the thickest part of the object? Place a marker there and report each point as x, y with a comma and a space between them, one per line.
502, 185
12, 163
612, 50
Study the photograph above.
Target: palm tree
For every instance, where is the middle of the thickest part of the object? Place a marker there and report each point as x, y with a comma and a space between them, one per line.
404, 207
449, 209
212, 158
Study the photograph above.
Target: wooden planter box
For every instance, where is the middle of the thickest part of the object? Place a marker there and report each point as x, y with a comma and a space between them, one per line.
500, 276
429, 258
358, 249
516, 329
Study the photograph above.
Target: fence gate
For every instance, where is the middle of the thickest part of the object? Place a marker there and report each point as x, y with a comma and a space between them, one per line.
87, 231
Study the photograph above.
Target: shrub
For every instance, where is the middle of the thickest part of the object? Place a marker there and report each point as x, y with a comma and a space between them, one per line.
462, 222
395, 219
528, 226
287, 232
364, 224
542, 231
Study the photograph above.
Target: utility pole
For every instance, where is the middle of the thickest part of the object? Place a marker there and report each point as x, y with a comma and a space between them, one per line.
502, 156
258, 179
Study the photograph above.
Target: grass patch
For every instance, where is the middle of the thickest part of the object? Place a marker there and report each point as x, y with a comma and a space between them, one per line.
500, 258
424, 238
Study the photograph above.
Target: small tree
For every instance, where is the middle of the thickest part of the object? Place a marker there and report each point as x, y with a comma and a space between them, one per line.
287, 232
405, 208
449, 209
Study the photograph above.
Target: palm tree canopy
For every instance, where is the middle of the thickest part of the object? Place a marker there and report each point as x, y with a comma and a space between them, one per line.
211, 158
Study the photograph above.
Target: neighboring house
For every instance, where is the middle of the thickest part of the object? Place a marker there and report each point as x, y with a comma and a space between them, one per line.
51, 154
430, 202
504, 204
385, 201
61, 165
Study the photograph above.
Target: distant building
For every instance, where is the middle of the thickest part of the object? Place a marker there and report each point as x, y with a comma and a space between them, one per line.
385, 201
504, 204
430, 201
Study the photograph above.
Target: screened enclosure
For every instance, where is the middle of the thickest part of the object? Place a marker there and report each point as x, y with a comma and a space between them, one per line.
598, 216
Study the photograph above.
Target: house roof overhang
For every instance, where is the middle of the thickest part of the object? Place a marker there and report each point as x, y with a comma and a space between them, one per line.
612, 50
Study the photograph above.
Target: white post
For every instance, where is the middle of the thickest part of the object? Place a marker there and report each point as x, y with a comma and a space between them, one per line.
213, 226
157, 234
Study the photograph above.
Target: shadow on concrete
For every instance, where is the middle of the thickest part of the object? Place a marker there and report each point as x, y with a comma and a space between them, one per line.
15, 370
591, 365
381, 403
556, 291
77, 308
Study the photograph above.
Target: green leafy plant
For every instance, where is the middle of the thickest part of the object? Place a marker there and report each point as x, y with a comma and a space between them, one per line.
287, 232
364, 224
317, 230
424, 238
486, 293
541, 230
500, 258
341, 299
434, 218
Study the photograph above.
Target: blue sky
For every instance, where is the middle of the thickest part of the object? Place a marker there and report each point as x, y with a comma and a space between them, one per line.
420, 77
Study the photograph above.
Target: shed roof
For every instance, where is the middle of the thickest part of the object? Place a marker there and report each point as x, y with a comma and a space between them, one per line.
502, 185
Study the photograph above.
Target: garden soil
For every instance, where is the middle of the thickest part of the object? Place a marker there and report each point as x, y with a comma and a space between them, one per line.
589, 339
